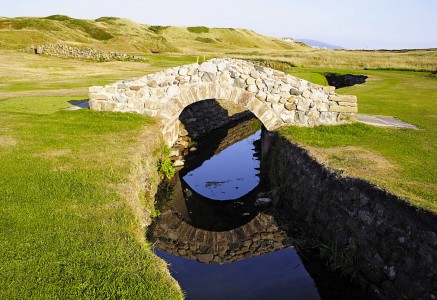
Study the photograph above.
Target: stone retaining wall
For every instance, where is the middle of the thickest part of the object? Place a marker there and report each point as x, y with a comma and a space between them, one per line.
65, 51
387, 245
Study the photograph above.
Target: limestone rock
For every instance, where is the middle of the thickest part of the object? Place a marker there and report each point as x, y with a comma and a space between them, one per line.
208, 67
178, 163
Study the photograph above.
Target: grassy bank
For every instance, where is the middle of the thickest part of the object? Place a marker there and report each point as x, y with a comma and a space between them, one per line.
71, 216
403, 161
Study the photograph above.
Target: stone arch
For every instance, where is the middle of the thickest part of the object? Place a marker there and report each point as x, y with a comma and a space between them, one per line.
275, 98
210, 90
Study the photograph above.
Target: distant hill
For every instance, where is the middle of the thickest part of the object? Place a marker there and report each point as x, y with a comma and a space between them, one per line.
318, 44
127, 36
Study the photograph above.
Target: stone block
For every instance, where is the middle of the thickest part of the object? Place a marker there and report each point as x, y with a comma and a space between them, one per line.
240, 83
183, 71
252, 89
254, 74
96, 96
261, 96
225, 92
108, 105
186, 97
343, 98
273, 99
328, 88
313, 113
354, 104
204, 91
250, 81
288, 117
290, 106
278, 108
346, 117
195, 93
208, 67
214, 89
135, 87
172, 91
209, 77
254, 105
95, 105
327, 118
95, 89
111, 89
244, 98
225, 78
295, 92
345, 109
221, 66
300, 118
307, 94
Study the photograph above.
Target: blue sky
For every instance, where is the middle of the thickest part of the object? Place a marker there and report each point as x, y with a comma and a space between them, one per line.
372, 24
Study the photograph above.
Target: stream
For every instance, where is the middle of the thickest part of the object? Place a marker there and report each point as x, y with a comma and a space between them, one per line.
217, 231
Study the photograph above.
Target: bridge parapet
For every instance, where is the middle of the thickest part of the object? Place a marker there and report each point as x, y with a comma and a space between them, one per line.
276, 98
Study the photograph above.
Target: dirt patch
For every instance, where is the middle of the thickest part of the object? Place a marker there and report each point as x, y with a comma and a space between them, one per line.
7, 141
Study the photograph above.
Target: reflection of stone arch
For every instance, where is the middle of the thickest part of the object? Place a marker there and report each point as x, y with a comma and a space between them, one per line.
260, 236
274, 97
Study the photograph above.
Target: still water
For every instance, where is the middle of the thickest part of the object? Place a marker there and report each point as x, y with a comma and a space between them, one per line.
217, 242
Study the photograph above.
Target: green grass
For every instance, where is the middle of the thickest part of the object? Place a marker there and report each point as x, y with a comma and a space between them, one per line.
409, 96
65, 230
70, 220
38, 104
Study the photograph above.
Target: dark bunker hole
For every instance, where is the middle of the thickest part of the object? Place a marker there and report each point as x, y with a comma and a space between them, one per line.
344, 80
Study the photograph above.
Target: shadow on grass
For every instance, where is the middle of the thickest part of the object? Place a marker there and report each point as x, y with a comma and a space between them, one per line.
78, 104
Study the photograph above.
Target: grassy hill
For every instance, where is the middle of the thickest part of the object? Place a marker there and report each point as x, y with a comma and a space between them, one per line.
117, 34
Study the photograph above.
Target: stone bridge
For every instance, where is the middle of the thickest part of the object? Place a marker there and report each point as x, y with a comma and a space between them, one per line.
275, 98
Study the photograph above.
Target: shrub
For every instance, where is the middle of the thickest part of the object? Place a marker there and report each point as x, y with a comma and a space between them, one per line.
198, 29
106, 19
58, 18
158, 29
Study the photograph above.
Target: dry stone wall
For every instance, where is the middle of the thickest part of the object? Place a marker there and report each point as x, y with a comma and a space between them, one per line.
65, 51
274, 97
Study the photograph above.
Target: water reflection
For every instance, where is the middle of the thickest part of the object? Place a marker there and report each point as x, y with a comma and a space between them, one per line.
230, 174
279, 275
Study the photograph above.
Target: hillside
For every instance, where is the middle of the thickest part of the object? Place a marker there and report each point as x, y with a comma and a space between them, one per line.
124, 35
